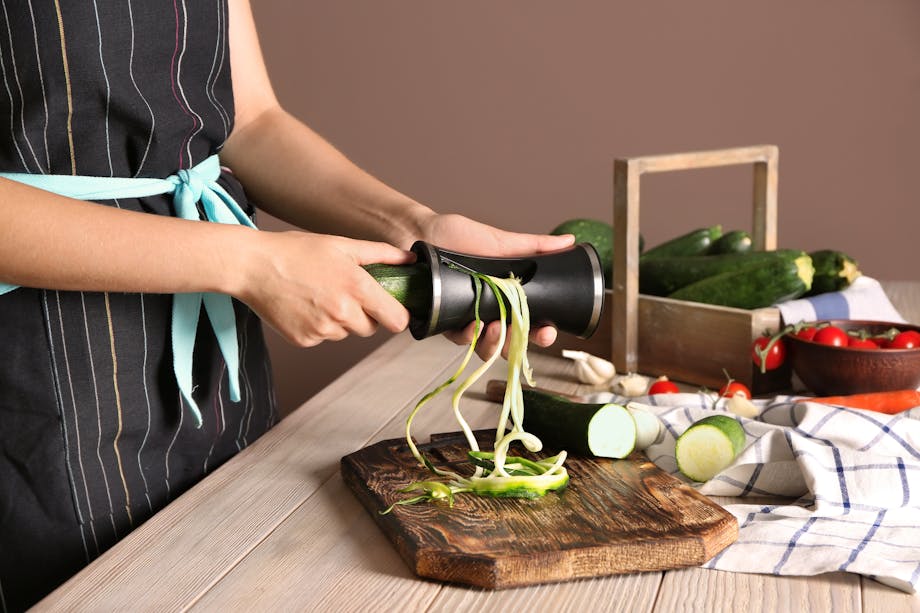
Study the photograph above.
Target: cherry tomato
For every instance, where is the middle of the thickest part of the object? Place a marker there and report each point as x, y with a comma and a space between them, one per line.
832, 335
729, 389
775, 356
806, 334
908, 339
862, 343
663, 386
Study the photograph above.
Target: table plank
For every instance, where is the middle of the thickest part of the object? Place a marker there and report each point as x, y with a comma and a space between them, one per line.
174, 557
698, 590
615, 594
328, 555
878, 598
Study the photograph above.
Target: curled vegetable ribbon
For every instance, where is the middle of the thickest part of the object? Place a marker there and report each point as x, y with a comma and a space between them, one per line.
188, 187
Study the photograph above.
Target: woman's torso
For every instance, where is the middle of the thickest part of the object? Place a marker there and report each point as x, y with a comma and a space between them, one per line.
113, 87
94, 436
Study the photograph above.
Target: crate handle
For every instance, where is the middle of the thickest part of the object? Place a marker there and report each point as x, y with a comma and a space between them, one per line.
626, 175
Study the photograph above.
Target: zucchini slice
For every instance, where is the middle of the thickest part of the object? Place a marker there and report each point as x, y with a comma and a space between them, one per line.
709, 446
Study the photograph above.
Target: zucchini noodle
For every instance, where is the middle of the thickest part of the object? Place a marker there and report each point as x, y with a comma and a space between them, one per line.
496, 473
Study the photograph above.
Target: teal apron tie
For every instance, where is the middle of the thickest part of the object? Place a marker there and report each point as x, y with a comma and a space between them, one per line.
188, 187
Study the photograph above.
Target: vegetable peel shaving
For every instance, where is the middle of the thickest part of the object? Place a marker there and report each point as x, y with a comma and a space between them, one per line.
496, 473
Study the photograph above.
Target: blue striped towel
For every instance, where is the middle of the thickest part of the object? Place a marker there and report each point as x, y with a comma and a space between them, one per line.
842, 488
863, 299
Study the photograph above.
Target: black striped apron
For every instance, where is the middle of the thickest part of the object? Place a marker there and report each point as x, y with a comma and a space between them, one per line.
94, 437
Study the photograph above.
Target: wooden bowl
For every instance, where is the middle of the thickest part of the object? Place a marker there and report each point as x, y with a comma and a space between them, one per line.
833, 371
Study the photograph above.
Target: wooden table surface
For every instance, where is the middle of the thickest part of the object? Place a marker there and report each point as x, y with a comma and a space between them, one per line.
275, 528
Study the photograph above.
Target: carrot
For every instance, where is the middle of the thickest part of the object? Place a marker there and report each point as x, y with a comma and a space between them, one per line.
890, 402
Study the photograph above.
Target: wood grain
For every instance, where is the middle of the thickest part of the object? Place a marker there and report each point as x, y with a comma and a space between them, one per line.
616, 516
696, 590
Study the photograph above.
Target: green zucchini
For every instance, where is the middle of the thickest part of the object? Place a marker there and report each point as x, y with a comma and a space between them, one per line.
664, 276
834, 271
736, 241
695, 242
601, 430
600, 235
709, 446
753, 287
410, 284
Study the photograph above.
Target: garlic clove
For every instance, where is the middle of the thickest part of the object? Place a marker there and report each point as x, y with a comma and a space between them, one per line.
588, 375
575, 355
602, 367
739, 404
590, 369
630, 385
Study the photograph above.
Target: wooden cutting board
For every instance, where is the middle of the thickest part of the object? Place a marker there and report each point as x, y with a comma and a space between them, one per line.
616, 516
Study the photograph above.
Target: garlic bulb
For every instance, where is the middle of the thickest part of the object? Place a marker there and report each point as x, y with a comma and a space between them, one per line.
630, 385
740, 404
589, 368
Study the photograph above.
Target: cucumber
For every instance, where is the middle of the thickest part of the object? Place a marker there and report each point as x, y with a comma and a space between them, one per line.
709, 446
753, 287
834, 271
600, 430
600, 235
410, 284
736, 241
696, 242
664, 276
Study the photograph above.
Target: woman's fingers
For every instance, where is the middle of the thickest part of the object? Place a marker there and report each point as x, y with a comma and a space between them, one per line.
543, 336
312, 288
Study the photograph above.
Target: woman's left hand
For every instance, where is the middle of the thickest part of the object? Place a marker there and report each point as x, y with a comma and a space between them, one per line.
464, 235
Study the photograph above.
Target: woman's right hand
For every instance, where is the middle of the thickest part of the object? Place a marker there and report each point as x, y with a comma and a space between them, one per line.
311, 287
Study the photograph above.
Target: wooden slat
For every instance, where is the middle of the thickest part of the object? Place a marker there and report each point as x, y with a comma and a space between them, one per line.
327, 556
173, 558
693, 160
624, 316
697, 590
878, 598
618, 594
699, 343
764, 214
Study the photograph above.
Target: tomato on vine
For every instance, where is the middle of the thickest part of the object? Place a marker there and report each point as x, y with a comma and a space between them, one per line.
909, 339
807, 334
732, 387
768, 353
862, 343
832, 335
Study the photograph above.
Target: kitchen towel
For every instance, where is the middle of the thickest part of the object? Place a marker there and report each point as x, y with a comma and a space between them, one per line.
863, 299
842, 487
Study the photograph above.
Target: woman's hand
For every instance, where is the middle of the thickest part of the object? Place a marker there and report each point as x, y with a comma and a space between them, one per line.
311, 287
461, 234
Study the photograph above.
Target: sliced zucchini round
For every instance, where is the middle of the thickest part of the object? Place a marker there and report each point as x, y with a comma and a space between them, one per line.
709, 446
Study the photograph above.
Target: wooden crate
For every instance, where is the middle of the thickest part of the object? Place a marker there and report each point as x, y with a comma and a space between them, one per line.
690, 342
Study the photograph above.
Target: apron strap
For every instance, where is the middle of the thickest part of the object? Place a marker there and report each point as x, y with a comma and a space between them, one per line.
188, 187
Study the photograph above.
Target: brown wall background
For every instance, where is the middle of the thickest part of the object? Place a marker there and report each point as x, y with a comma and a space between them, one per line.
513, 111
